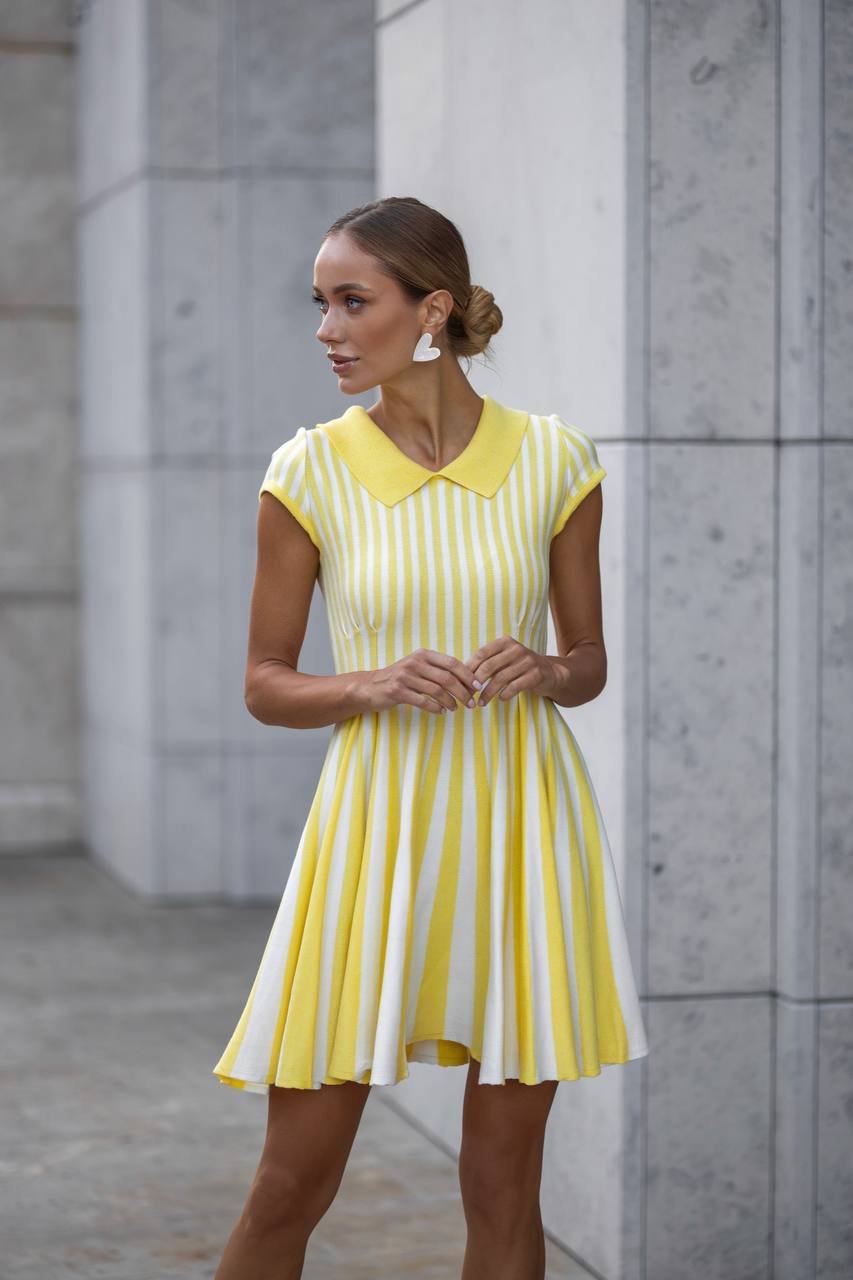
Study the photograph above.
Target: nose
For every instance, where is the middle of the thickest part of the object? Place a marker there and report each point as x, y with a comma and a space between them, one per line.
323, 334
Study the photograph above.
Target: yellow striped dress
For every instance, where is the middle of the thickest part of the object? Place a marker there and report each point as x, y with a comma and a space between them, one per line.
452, 894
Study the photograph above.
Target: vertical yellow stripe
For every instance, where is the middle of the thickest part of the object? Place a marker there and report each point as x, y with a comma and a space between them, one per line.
420, 831
523, 977
561, 995
343, 1052
306, 881
342, 1018
610, 1024
432, 996
483, 915
516, 577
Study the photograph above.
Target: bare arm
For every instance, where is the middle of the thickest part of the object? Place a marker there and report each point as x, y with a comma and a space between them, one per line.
580, 667
275, 692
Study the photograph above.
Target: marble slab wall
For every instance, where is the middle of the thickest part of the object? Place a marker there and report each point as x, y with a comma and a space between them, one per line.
211, 160
40, 761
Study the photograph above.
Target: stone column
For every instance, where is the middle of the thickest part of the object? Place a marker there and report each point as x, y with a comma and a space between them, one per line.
39, 588
813, 809
212, 159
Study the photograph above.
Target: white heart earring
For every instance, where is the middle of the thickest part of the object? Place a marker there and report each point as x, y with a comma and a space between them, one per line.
424, 349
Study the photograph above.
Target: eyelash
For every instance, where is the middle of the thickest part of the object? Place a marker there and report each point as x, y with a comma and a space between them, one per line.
349, 298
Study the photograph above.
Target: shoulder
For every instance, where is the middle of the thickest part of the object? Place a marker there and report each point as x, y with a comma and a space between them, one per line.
288, 478
295, 459
577, 469
574, 443
293, 450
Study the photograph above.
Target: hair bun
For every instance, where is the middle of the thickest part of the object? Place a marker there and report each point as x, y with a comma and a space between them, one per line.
483, 318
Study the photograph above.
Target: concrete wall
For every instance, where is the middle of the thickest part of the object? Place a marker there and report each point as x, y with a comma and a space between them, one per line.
39, 585
659, 196
211, 161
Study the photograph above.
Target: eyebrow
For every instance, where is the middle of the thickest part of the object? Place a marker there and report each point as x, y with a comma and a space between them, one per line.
352, 284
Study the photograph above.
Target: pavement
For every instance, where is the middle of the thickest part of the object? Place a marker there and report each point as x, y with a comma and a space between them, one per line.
123, 1157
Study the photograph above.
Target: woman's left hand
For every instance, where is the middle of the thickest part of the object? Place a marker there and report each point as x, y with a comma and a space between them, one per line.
510, 668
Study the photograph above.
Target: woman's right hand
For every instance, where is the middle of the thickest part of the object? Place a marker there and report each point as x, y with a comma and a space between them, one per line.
426, 678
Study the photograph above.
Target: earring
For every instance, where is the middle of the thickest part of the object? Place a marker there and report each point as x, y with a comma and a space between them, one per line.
425, 350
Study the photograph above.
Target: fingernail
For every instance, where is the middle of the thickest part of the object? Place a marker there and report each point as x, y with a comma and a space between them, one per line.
470, 702
477, 684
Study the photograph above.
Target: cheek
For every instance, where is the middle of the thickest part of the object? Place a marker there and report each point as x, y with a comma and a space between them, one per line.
388, 336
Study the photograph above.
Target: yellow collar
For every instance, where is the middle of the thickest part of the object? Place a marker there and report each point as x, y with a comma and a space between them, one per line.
389, 474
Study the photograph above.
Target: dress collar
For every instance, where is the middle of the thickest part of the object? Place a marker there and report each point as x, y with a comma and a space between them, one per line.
389, 474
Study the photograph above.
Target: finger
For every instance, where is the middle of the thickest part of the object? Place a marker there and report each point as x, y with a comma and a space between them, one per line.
493, 657
485, 652
430, 695
501, 685
492, 646
455, 676
494, 666
462, 682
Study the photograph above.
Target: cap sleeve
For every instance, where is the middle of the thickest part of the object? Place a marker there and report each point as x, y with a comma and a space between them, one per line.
578, 472
288, 479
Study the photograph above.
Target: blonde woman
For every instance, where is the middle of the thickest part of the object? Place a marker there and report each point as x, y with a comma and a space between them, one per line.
452, 899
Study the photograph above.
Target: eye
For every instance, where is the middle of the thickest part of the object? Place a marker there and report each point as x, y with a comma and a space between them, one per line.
351, 297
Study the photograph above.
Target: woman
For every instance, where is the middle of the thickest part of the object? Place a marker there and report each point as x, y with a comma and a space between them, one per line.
452, 899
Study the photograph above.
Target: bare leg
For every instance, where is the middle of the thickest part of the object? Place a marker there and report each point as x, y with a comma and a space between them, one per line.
500, 1174
310, 1133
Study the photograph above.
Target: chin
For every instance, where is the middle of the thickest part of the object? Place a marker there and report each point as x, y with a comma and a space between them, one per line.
352, 386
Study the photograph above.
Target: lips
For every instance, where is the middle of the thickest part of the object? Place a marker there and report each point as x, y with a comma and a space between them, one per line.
336, 359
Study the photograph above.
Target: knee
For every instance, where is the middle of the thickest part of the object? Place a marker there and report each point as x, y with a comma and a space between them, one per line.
281, 1202
501, 1193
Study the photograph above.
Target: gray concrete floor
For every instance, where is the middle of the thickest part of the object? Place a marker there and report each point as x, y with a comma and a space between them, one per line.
122, 1155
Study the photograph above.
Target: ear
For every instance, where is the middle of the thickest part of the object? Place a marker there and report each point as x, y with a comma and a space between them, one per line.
437, 307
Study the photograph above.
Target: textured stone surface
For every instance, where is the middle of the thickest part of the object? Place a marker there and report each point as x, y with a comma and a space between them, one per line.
39, 494
838, 202
836, 793
37, 158
112, 120
306, 72
796, 1152
834, 1132
712, 172
709, 1139
188, 53
35, 20
798, 720
710, 717
39, 658
114, 265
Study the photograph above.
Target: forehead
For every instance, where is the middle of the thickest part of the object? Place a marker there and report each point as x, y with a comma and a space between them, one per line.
338, 254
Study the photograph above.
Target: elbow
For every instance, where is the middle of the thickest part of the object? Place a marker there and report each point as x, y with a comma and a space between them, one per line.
250, 701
